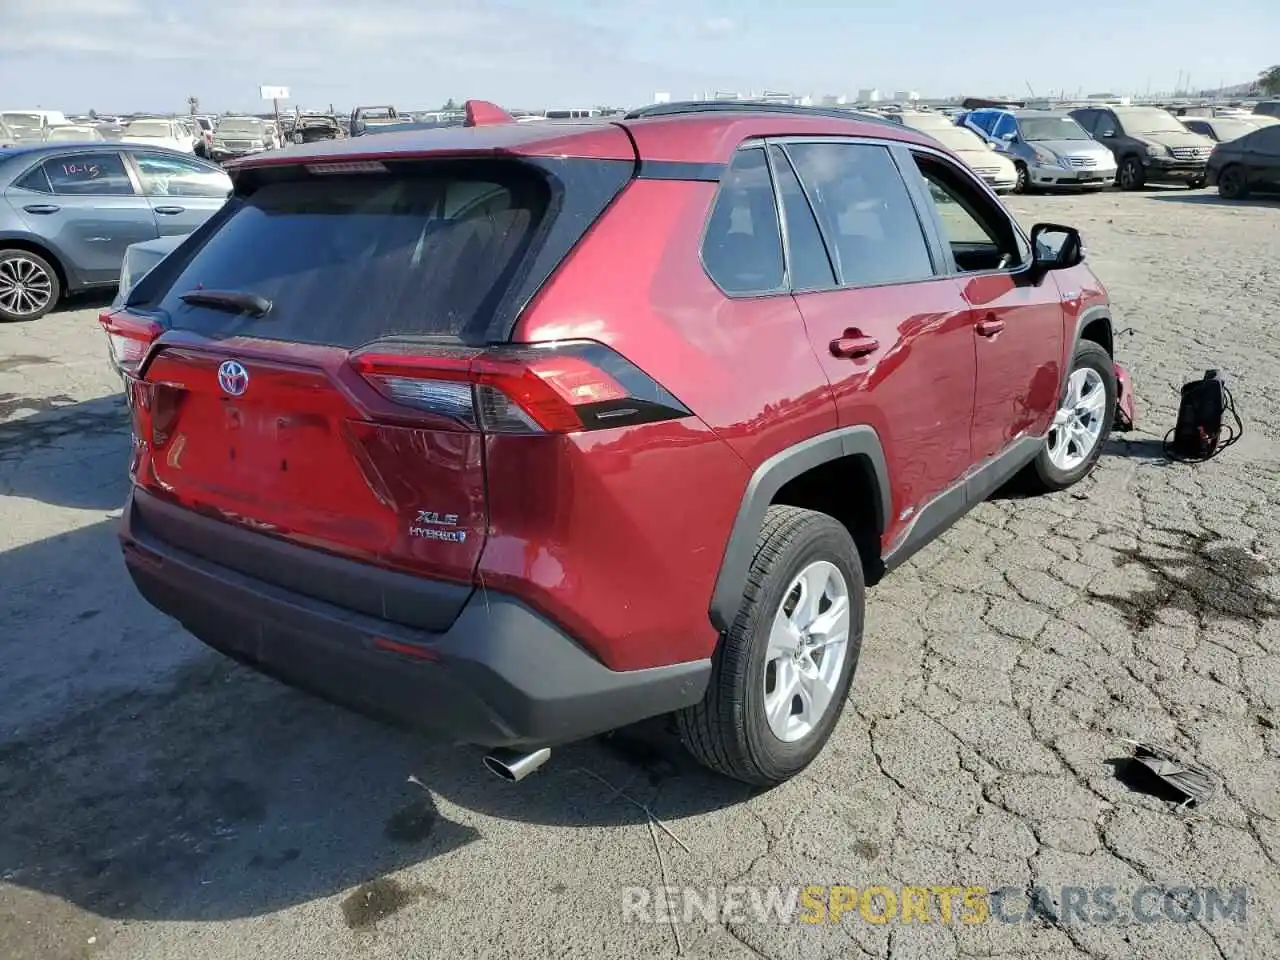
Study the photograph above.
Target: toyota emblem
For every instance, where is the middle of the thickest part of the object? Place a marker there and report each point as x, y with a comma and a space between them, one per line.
233, 378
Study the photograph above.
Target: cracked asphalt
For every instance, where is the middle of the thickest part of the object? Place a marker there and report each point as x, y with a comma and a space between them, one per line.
158, 801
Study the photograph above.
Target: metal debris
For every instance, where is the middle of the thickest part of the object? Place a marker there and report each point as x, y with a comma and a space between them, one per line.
1192, 781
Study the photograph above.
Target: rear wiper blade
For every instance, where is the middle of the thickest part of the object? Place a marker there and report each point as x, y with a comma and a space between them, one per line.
233, 301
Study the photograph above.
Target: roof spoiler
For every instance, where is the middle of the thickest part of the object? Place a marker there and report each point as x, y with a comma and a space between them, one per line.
482, 113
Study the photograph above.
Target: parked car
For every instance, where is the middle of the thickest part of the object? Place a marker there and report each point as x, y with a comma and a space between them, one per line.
239, 137
204, 145
31, 126
68, 212
310, 128
164, 134
1049, 151
1248, 164
7, 137
75, 133
998, 171
1267, 108
1219, 129
627, 448
140, 258
1150, 145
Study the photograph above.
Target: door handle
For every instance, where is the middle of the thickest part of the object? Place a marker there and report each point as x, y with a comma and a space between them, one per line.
42, 208
170, 211
990, 327
853, 344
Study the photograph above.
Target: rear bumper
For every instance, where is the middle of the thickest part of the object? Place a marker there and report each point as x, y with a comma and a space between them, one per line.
500, 676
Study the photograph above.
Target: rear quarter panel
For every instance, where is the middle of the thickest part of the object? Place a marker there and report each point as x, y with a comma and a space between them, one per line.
642, 531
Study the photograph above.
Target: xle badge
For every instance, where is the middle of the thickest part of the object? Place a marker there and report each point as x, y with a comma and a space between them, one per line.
429, 525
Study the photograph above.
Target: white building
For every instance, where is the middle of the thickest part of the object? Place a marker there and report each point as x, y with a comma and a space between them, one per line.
906, 96
869, 95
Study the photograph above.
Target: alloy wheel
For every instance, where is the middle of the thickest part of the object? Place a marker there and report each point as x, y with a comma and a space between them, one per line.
25, 286
1078, 423
807, 646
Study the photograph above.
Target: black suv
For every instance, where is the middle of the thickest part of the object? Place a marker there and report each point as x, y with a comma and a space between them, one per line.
1150, 145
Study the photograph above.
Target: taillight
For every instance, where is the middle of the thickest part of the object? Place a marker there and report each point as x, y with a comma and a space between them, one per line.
128, 338
559, 387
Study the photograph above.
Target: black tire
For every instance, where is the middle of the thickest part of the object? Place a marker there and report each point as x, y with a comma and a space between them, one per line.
1232, 184
1131, 175
728, 730
36, 275
1042, 474
1023, 183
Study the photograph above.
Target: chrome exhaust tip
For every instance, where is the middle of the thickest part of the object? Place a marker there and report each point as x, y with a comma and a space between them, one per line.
513, 766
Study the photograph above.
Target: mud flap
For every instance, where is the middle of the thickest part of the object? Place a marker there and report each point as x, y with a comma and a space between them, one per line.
1125, 413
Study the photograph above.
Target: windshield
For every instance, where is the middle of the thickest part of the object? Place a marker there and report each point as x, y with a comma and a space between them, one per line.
24, 121
1231, 129
957, 138
251, 128
928, 122
1151, 120
148, 128
1051, 128
74, 133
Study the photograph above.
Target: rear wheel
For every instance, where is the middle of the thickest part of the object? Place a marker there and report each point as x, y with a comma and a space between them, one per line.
29, 286
781, 675
1131, 175
1082, 423
1231, 184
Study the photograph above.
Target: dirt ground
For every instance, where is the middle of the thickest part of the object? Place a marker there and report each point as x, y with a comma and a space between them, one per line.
158, 802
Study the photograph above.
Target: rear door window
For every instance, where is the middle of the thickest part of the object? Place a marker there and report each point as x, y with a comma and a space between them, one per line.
88, 174
865, 212
348, 259
809, 267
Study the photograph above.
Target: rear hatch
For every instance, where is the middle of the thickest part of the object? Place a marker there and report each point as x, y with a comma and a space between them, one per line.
316, 369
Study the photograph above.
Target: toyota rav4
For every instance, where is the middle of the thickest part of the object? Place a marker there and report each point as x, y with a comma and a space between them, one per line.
526, 432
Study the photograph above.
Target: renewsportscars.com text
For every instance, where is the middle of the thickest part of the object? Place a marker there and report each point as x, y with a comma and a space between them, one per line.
881, 904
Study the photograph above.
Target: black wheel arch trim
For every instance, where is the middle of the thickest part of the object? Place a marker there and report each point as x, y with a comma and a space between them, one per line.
1099, 312
858, 441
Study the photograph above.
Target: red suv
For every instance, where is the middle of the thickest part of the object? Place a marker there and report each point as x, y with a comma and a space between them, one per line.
528, 431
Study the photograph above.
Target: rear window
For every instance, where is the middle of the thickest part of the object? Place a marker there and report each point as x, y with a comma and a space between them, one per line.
349, 259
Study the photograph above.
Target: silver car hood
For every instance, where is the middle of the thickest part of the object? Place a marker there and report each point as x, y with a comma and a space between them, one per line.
1073, 148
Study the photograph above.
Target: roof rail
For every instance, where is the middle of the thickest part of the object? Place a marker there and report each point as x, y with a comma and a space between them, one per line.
687, 107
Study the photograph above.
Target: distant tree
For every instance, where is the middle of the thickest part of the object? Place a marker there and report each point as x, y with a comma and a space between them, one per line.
93, 114
449, 104
1269, 80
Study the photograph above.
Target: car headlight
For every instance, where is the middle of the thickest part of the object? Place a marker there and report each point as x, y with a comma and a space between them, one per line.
1047, 159
257, 145
1155, 150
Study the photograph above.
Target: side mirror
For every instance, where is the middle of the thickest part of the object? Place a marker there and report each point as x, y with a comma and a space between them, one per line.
1055, 247
1009, 137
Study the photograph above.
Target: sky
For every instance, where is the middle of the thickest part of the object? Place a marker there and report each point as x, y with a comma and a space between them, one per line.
150, 55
